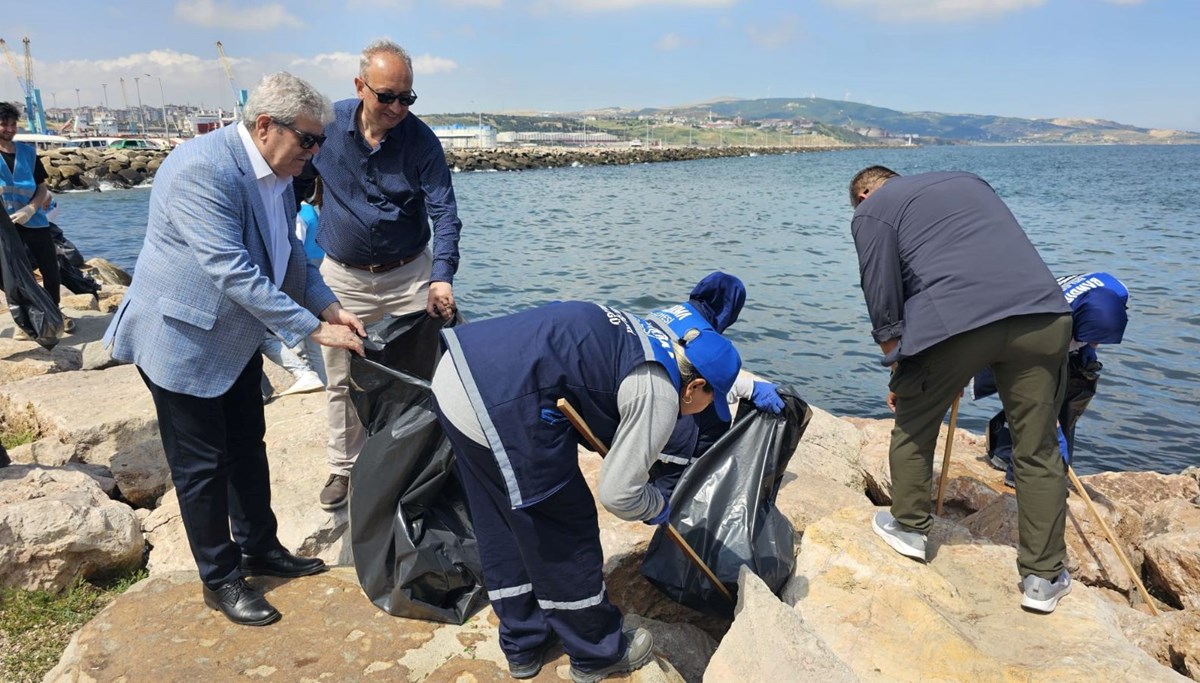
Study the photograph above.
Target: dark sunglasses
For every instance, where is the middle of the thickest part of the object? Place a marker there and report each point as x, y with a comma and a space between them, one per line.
307, 140
406, 99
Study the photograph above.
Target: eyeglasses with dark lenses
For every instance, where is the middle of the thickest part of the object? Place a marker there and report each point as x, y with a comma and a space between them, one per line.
307, 140
385, 98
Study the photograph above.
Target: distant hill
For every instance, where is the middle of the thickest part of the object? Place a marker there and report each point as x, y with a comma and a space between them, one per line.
879, 121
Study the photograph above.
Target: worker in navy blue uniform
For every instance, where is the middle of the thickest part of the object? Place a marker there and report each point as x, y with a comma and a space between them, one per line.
1098, 316
496, 390
719, 299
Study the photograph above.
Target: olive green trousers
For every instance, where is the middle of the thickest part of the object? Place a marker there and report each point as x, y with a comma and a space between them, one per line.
1028, 355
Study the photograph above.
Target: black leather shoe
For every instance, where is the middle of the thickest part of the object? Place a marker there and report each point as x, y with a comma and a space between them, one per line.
281, 563
241, 604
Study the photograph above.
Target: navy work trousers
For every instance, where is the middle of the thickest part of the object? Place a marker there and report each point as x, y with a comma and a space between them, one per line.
542, 565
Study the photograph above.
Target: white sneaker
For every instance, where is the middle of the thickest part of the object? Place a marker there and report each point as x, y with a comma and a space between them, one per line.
308, 381
907, 543
1040, 595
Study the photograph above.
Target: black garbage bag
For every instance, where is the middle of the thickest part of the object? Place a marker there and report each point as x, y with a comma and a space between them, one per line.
724, 507
69, 263
32, 308
411, 535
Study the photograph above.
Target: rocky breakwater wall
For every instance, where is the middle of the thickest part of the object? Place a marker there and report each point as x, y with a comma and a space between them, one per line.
557, 157
74, 168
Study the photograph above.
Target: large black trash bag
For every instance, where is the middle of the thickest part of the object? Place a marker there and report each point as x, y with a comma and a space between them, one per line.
69, 263
32, 308
411, 535
724, 507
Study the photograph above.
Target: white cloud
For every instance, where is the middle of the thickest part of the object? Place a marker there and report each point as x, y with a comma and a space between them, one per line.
937, 10
600, 5
425, 65
782, 32
196, 80
228, 15
670, 41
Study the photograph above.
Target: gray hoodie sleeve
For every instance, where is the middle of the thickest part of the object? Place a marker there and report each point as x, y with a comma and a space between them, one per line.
649, 407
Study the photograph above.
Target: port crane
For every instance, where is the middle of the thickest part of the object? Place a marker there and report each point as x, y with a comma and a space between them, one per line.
239, 95
125, 99
34, 111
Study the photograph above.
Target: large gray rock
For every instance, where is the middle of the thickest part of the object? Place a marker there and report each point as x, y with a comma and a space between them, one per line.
106, 272
956, 618
1140, 490
769, 641
57, 526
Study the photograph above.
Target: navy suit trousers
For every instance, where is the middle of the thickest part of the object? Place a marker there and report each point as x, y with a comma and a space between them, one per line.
218, 463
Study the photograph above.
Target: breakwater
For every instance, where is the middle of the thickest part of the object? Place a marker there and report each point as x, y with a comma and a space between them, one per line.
77, 168
73, 168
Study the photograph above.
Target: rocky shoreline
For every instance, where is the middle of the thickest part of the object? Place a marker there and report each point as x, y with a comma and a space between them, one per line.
74, 168
91, 495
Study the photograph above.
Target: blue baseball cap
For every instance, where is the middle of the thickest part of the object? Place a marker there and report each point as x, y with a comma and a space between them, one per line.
713, 356
717, 361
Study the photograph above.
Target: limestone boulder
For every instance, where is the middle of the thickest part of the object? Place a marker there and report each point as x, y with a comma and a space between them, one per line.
1091, 559
1172, 638
1139, 490
57, 526
831, 447
1170, 516
160, 630
1173, 565
106, 272
956, 618
770, 641
110, 417
807, 495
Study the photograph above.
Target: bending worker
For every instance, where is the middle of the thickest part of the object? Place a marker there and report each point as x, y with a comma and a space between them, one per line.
718, 299
933, 250
496, 391
1098, 316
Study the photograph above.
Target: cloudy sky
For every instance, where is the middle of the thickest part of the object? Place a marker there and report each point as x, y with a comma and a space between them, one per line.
1133, 61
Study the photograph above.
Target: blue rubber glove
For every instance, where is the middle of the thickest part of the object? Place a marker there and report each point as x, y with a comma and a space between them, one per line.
766, 398
662, 517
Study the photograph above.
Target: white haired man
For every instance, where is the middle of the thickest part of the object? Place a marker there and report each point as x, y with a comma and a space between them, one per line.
220, 266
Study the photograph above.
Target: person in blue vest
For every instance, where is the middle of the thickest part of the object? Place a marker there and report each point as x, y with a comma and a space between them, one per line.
718, 298
496, 391
24, 190
1098, 316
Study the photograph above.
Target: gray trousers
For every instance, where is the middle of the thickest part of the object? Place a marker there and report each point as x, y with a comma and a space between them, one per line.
1028, 355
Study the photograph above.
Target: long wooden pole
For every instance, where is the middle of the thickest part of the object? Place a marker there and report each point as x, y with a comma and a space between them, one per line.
946, 457
577, 421
1112, 539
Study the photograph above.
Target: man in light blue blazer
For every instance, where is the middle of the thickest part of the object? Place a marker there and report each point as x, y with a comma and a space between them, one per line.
220, 266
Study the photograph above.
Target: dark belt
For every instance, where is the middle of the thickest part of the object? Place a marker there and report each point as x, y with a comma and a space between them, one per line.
379, 267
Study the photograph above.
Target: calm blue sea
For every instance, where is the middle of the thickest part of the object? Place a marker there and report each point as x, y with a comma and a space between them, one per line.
638, 237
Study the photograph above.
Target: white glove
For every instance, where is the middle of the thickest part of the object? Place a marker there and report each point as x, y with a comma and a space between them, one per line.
23, 214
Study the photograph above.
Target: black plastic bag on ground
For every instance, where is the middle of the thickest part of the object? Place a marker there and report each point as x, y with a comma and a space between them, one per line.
32, 308
410, 532
69, 263
724, 507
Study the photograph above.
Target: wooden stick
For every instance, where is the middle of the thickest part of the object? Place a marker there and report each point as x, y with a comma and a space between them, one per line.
946, 457
1112, 539
577, 421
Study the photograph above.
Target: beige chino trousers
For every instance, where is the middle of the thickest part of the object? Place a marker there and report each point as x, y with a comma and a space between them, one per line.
370, 296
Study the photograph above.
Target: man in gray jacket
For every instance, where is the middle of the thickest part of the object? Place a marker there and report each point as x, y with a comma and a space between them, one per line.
953, 285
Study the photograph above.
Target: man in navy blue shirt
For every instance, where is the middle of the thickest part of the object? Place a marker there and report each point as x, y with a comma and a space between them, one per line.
953, 285
386, 180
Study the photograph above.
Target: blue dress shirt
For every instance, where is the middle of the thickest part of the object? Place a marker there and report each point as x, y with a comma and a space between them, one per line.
378, 202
